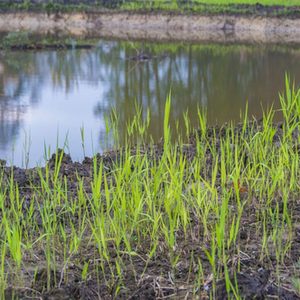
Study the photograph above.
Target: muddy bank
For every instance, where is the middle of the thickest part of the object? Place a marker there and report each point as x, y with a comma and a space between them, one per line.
158, 26
155, 277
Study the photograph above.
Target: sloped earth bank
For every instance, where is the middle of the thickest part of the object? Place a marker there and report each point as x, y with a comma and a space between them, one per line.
162, 26
154, 278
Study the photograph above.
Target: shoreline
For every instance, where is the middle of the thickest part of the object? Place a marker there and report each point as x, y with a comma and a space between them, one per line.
112, 157
158, 27
74, 182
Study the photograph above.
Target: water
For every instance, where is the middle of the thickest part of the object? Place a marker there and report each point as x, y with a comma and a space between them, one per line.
48, 98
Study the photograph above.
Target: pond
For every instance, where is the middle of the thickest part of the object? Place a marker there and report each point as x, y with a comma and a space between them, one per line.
49, 98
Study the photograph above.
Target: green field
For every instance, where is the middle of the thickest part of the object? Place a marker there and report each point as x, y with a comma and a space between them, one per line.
263, 7
252, 2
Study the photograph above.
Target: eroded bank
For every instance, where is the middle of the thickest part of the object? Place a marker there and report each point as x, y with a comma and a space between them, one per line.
158, 26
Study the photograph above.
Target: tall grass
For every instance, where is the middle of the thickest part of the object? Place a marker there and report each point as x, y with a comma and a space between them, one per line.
154, 199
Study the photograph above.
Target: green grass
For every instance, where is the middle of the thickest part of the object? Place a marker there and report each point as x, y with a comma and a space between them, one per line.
254, 7
145, 207
195, 6
252, 2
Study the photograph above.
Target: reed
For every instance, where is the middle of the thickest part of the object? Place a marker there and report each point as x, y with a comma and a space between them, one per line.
152, 200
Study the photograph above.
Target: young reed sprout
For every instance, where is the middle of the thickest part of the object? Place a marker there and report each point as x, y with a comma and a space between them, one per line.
174, 217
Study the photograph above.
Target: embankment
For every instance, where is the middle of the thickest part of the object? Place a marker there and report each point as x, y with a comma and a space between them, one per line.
158, 26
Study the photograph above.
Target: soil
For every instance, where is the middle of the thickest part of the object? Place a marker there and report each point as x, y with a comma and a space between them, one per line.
157, 279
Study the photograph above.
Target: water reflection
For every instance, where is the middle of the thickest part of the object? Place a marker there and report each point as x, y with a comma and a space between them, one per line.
47, 96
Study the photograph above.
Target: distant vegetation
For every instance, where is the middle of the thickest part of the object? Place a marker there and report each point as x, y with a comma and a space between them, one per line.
263, 2
24, 40
269, 7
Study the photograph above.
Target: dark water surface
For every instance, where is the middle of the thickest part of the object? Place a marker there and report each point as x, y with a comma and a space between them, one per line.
48, 97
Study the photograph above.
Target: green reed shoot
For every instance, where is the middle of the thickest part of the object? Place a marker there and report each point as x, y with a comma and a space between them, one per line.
153, 200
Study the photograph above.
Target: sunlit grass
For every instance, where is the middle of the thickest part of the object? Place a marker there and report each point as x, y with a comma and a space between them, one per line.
210, 6
201, 6
146, 205
264, 2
